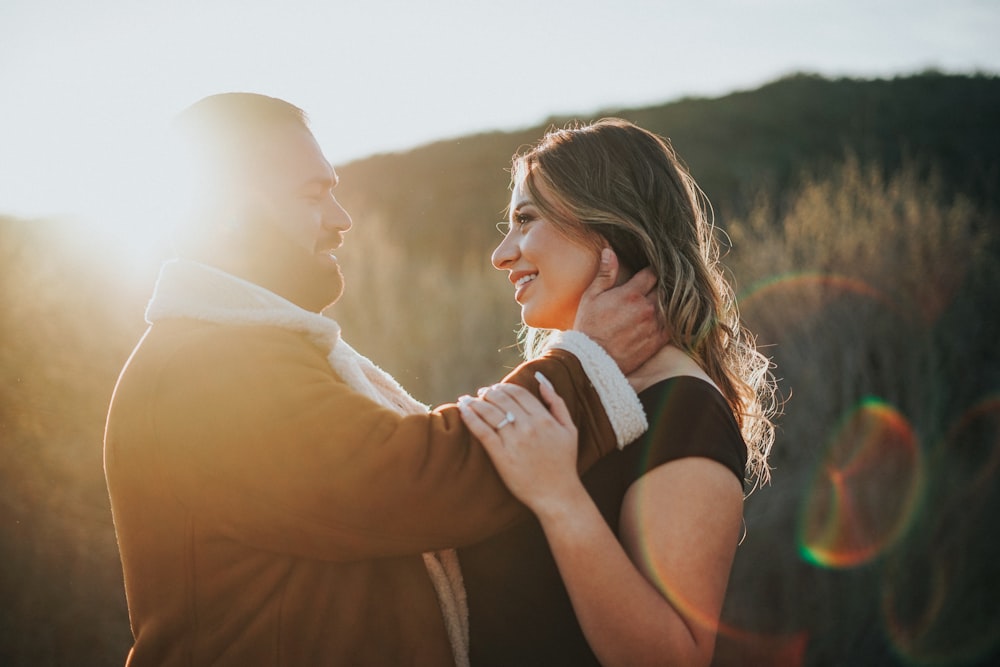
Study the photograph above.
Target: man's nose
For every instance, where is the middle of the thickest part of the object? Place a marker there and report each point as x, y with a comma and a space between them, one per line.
337, 218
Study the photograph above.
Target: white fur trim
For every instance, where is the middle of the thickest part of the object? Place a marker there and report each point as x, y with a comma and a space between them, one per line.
446, 574
620, 401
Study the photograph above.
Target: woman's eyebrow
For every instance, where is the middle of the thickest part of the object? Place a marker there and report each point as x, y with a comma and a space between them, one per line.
522, 204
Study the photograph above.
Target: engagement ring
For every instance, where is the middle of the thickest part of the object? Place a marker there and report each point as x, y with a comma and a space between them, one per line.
508, 419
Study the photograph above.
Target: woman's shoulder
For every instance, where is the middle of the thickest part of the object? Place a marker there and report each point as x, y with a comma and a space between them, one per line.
699, 385
689, 416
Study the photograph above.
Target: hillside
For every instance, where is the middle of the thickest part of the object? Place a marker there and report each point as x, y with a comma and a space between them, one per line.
864, 218
738, 147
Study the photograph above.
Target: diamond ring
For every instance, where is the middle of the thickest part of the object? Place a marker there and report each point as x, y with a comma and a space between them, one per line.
507, 419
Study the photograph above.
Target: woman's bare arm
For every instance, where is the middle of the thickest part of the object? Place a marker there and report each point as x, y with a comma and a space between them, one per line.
653, 598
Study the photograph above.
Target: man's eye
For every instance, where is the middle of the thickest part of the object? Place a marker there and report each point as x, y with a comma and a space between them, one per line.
316, 197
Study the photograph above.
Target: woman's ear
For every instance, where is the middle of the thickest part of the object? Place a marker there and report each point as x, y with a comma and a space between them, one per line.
624, 272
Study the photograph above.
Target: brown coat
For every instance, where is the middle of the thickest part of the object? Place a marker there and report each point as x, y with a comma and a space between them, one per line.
269, 515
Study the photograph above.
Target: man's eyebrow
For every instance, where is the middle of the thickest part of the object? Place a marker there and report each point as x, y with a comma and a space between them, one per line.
321, 181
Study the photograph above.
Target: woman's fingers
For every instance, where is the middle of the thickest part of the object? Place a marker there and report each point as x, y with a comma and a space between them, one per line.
509, 406
479, 425
533, 450
496, 416
557, 406
514, 399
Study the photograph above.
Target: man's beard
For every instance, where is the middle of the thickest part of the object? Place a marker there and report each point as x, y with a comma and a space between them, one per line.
310, 280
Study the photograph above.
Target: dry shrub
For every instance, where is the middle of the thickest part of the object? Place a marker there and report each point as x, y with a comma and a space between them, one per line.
859, 285
868, 290
441, 326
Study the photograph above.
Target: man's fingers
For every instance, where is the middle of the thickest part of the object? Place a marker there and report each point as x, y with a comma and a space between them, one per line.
643, 282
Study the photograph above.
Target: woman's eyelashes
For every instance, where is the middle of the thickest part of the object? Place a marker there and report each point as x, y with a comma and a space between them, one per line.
517, 222
522, 219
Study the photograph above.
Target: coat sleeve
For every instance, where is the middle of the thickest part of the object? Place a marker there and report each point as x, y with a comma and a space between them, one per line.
262, 438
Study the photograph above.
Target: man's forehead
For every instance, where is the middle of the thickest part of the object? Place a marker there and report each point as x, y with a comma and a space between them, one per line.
295, 154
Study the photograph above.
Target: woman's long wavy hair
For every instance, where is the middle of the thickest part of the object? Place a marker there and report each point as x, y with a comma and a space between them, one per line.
613, 183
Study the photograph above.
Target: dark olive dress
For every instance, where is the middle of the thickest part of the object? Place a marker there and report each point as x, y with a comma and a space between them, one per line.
519, 611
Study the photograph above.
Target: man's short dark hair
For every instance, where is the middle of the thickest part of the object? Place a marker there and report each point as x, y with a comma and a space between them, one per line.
216, 149
221, 132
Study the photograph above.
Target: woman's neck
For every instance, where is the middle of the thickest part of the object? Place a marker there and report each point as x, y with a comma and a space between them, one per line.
670, 361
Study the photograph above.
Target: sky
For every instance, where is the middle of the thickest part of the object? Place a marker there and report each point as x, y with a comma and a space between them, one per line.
87, 87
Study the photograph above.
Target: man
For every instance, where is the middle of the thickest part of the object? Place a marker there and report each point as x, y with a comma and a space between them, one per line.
272, 490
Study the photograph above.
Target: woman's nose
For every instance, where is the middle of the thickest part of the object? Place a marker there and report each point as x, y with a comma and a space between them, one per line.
505, 253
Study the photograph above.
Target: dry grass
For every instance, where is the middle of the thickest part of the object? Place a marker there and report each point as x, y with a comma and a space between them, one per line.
859, 285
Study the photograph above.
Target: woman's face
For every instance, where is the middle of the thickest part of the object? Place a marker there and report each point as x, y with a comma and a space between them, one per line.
549, 270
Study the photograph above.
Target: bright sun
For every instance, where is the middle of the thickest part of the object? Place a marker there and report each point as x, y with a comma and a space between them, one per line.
109, 179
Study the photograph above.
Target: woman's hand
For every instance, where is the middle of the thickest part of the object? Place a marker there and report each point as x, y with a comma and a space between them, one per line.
533, 448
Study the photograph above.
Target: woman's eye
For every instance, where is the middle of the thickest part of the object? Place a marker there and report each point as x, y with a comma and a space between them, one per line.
517, 223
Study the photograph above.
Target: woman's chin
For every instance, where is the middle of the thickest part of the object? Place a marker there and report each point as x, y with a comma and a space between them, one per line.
537, 320
529, 318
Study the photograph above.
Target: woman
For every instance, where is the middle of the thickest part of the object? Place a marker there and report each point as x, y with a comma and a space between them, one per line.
628, 565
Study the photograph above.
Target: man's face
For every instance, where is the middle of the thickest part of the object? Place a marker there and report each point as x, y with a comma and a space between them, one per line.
290, 222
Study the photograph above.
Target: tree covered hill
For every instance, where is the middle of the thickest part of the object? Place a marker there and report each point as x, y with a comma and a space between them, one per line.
739, 147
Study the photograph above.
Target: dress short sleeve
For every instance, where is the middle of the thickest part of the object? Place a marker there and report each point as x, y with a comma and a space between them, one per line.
687, 417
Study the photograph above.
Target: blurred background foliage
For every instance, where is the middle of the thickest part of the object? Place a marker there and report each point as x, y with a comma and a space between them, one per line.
863, 233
